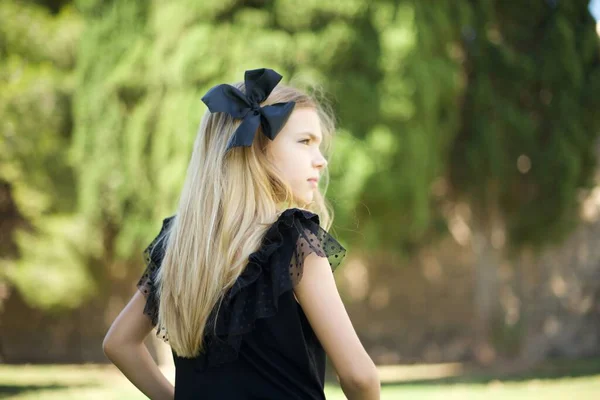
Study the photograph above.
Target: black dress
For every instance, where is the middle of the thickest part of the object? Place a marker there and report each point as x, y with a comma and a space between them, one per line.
264, 346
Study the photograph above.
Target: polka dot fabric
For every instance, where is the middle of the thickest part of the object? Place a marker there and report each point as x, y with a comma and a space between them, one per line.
153, 255
313, 239
273, 270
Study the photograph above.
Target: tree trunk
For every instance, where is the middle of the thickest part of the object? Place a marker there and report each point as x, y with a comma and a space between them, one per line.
487, 244
486, 295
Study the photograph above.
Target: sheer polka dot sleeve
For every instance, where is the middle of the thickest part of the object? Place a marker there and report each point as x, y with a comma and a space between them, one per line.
313, 239
146, 285
153, 255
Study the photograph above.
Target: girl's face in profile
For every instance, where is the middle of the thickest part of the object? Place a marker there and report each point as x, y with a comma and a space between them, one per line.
296, 153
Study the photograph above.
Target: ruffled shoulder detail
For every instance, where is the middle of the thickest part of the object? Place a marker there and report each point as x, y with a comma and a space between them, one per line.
274, 269
153, 256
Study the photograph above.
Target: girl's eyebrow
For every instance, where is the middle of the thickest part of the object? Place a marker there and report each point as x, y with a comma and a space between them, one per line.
312, 136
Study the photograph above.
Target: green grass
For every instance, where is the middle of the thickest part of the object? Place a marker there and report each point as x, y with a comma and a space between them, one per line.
557, 380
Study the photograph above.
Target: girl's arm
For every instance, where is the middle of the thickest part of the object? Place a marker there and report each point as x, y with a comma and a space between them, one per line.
319, 298
124, 346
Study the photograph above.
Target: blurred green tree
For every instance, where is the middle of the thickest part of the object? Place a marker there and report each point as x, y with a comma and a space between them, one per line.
43, 242
526, 147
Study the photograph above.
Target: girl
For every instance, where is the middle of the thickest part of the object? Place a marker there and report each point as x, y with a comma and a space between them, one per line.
239, 282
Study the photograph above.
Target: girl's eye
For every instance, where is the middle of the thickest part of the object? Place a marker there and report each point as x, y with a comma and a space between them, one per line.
305, 140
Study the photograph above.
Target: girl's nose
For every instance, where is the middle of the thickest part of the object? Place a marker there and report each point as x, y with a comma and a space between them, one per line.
320, 162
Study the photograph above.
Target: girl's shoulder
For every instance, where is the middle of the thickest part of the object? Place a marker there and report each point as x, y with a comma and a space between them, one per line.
295, 234
294, 217
298, 212
291, 224
286, 215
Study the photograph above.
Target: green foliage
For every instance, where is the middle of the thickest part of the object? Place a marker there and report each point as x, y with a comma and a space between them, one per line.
454, 93
531, 83
37, 54
35, 117
53, 272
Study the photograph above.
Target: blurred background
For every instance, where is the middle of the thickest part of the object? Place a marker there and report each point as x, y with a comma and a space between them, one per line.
465, 177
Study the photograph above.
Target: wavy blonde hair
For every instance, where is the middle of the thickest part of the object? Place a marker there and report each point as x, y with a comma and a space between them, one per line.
227, 203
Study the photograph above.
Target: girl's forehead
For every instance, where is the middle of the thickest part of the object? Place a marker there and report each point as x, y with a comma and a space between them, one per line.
303, 121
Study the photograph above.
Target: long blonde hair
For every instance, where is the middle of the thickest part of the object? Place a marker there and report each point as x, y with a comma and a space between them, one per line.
227, 203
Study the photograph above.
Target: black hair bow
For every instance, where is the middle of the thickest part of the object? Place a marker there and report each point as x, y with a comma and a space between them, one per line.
259, 83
